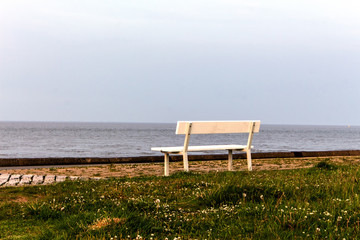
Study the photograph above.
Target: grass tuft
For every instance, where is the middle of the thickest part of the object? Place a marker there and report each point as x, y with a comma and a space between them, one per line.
232, 194
325, 165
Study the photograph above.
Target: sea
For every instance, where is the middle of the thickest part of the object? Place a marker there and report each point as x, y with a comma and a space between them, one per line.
69, 139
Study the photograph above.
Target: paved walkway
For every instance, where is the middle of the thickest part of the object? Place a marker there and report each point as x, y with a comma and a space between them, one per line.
7, 180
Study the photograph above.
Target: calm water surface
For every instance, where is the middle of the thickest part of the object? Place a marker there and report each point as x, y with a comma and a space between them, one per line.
45, 139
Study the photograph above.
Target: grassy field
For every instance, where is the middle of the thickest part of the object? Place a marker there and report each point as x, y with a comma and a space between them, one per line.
313, 203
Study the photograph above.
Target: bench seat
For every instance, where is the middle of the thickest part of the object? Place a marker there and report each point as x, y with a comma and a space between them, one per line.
198, 148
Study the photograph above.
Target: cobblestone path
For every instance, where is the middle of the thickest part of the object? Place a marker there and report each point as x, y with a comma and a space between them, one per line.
7, 180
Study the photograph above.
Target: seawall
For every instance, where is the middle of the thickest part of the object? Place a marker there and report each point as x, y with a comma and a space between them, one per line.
7, 162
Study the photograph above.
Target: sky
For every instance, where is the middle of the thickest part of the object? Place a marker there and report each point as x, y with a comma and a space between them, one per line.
278, 61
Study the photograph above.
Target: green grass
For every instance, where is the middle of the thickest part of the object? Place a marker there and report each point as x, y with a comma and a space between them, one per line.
316, 203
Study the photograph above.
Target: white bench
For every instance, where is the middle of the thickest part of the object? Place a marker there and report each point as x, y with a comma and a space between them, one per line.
210, 127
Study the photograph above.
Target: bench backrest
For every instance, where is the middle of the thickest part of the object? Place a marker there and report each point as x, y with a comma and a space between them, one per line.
209, 127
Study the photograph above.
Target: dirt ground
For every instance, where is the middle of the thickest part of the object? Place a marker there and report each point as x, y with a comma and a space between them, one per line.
149, 169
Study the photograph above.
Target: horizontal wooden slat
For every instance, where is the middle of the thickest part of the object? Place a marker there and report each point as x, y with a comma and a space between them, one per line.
209, 127
199, 148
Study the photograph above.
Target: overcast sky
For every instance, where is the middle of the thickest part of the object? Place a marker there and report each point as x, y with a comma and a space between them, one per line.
282, 62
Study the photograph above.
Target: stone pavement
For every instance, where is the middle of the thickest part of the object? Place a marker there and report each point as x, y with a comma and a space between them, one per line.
7, 180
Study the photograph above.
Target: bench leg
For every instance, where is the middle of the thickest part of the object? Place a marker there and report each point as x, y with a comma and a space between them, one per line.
230, 164
248, 156
186, 162
166, 164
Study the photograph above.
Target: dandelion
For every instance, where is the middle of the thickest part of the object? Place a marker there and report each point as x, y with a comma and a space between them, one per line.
262, 197
244, 195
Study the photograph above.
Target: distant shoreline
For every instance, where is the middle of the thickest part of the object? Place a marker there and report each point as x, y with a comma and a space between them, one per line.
346, 125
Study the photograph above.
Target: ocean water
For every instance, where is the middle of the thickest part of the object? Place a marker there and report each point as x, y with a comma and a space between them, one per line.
49, 139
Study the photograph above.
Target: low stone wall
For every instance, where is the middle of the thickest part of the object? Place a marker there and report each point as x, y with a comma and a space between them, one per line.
7, 162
